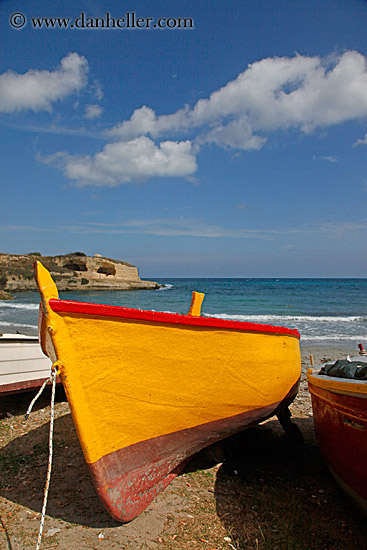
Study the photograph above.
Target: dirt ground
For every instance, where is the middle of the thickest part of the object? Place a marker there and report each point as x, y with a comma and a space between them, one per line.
257, 490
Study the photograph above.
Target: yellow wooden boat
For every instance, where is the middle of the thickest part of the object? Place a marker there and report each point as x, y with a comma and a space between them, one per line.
148, 390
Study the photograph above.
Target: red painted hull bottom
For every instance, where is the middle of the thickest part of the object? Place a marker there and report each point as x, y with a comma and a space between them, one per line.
129, 479
26, 385
341, 430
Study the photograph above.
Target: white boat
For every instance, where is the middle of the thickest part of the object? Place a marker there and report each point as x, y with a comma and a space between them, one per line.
23, 366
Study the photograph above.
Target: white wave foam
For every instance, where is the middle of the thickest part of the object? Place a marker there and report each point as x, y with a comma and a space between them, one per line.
22, 325
287, 318
335, 337
12, 305
165, 287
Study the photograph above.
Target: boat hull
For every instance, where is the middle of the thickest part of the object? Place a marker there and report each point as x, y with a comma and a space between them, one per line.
129, 479
148, 390
23, 366
340, 418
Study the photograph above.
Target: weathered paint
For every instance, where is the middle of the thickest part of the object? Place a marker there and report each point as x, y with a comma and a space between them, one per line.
134, 377
340, 418
26, 385
128, 480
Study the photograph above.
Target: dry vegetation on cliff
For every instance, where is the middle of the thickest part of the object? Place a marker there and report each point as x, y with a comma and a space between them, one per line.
75, 271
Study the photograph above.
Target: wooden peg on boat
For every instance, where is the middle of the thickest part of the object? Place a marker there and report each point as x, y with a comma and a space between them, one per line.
196, 303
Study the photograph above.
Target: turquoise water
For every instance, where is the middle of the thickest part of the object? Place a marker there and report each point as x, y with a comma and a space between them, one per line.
323, 310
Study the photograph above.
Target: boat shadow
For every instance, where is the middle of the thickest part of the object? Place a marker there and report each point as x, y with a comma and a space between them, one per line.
19, 402
266, 485
272, 492
72, 496
23, 467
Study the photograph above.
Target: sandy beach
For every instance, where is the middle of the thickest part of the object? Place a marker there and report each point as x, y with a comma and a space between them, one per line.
257, 490
183, 190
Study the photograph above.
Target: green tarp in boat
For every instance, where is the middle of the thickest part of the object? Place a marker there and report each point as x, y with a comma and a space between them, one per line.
343, 368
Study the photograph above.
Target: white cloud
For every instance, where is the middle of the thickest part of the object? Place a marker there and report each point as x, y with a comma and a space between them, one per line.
144, 121
96, 90
123, 162
300, 93
327, 158
360, 141
93, 111
37, 90
272, 94
236, 134
191, 227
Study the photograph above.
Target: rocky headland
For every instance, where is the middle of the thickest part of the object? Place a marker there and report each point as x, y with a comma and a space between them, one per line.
75, 271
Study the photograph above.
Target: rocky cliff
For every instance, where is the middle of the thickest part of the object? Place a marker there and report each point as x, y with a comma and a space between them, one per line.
71, 272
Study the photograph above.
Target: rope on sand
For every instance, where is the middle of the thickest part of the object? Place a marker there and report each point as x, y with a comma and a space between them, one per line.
52, 379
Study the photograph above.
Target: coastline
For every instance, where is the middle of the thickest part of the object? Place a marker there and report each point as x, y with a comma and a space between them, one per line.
327, 351
309, 306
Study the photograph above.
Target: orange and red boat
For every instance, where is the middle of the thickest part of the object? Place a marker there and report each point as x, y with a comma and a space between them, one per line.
340, 418
148, 390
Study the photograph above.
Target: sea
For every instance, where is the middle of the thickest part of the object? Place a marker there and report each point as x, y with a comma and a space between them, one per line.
325, 311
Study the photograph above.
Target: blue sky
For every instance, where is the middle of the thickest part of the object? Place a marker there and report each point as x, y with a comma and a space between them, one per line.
234, 148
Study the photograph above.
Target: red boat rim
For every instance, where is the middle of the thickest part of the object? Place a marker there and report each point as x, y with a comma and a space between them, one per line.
100, 310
